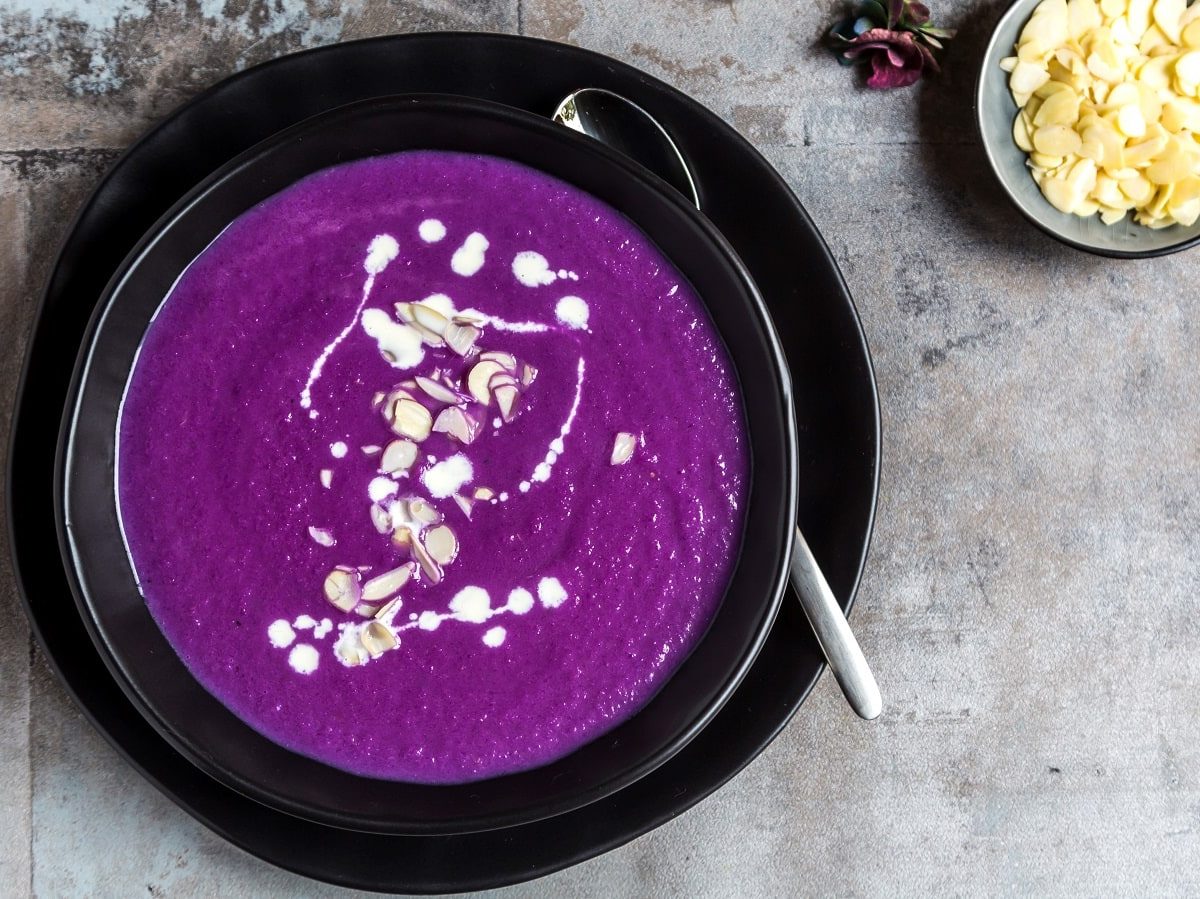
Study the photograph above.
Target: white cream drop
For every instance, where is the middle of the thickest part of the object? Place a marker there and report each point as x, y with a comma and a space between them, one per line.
501, 325
401, 344
543, 469
448, 476
532, 269
472, 604
494, 637
429, 621
281, 634
520, 601
326, 478
338, 450
551, 592
381, 251
431, 230
304, 659
381, 488
572, 311
468, 259
440, 303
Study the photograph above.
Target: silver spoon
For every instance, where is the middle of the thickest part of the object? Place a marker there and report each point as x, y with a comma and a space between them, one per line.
625, 126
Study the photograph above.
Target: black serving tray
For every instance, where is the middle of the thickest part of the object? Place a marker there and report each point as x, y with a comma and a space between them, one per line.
837, 421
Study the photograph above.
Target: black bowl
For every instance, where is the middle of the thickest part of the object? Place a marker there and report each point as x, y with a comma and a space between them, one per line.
194, 721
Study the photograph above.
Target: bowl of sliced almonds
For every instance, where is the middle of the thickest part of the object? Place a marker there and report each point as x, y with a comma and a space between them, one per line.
1089, 112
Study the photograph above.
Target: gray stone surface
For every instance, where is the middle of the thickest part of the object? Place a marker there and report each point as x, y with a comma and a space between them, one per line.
1029, 603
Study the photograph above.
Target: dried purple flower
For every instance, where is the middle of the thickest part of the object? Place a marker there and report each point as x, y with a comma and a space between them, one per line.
897, 41
897, 60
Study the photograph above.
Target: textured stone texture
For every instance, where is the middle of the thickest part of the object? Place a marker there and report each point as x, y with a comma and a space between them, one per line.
1029, 603
95, 73
15, 769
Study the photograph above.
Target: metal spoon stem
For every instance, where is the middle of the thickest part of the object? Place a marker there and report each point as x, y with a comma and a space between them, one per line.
845, 656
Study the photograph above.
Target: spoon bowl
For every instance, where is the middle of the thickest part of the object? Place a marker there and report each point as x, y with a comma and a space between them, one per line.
626, 127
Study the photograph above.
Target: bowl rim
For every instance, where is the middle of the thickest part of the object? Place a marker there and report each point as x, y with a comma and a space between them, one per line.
65, 468
990, 60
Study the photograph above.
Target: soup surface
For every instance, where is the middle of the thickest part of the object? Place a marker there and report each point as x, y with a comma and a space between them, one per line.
432, 467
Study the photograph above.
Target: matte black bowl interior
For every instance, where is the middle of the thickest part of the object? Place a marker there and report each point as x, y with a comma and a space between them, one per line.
154, 677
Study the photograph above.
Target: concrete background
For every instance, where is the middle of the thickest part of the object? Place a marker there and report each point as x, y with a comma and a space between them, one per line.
1030, 600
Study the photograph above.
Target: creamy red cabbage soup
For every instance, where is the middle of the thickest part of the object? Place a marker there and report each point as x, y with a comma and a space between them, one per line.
432, 467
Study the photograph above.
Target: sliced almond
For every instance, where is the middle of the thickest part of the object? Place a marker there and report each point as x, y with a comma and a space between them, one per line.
321, 536
380, 518
458, 424
402, 537
461, 338
412, 420
402, 391
623, 448
350, 653
429, 338
366, 609
343, 589
426, 321
528, 373
464, 504
438, 391
479, 377
370, 450
429, 318
377, 638
399, 455
469, 317
500, 379
388, 609
326, 477
507, 360
386, 584
508, 399
442, 544
387, 405
429, 565
423, 512
484, 493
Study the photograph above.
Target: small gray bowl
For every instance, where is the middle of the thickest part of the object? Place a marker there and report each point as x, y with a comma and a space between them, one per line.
994, 113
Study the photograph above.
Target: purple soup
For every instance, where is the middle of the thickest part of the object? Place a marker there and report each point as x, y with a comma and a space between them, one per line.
432, 467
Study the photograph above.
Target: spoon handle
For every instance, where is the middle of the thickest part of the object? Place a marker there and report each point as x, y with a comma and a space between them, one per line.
841, 649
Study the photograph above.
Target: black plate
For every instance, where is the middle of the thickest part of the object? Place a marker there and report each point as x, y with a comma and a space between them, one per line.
106, 585
838, 426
